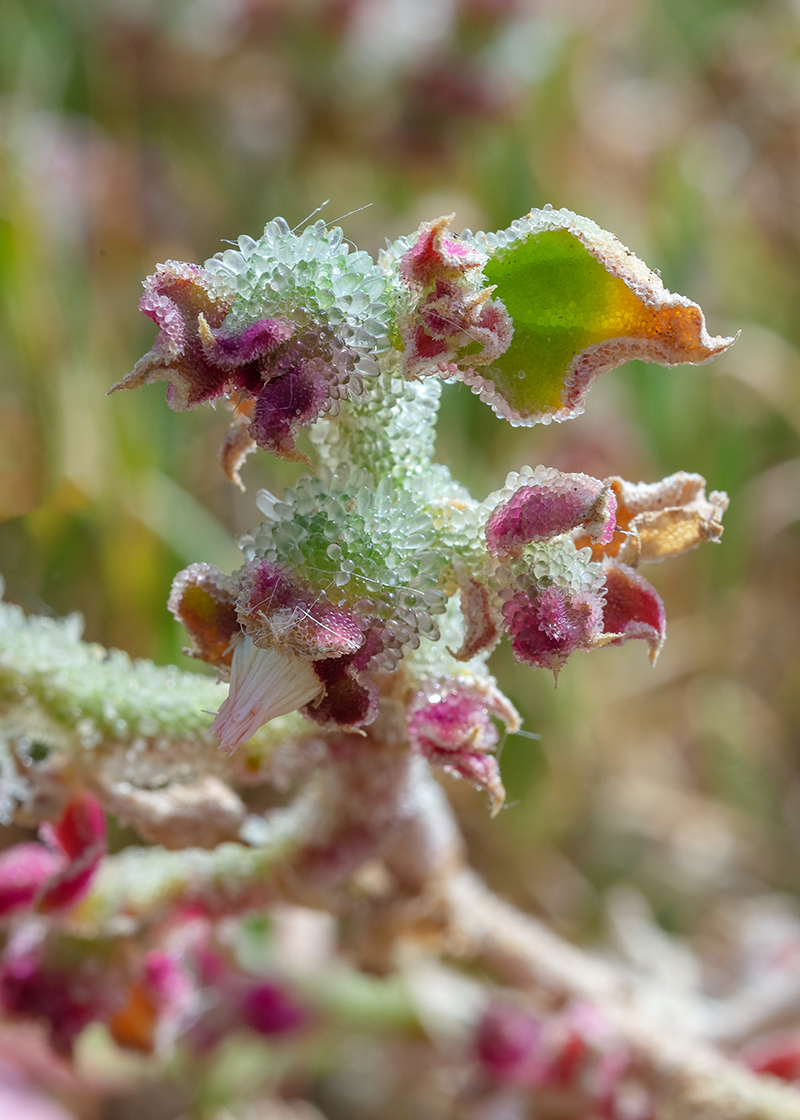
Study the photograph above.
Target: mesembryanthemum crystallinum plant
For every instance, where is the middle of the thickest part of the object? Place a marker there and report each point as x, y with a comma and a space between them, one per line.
351, 649
378, 574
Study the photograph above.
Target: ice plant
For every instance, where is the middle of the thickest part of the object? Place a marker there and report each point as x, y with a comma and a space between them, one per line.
346, 579
351, 651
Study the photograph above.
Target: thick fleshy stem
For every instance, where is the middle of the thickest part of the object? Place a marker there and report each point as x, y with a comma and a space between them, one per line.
391, 433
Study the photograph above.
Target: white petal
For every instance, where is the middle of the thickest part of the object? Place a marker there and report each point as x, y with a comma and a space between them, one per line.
264, 684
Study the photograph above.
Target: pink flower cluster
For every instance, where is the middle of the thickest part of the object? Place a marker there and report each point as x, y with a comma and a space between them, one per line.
305, 652
192, 988
235, 1000
545, 620
186, 987
65, 992
199, 360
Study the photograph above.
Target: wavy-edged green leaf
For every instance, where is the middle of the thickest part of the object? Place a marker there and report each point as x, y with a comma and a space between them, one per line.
580, 303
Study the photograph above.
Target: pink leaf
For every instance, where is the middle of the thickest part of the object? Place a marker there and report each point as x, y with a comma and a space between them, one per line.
24, 869
81, 835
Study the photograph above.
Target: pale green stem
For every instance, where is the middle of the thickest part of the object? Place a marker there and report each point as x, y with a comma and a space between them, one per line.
391, 434
65, 695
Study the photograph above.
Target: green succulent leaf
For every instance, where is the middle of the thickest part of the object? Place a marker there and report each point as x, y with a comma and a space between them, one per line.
579, 303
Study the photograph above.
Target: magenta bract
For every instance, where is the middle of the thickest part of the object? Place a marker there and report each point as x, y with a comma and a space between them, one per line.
546, 626
269, 1009
633, 608
351, 696
509, 1045
284, 615
548, 508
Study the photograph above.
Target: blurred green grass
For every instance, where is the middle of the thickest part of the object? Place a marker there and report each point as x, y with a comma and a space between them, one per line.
137, 131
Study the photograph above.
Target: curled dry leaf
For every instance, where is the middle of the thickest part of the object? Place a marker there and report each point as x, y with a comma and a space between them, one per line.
659, 520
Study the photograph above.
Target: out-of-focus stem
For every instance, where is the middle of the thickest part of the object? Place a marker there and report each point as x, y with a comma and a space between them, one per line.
142, 885
368, 801
691, 1080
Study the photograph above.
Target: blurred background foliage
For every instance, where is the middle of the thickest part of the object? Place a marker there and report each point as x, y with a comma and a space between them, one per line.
133, 131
